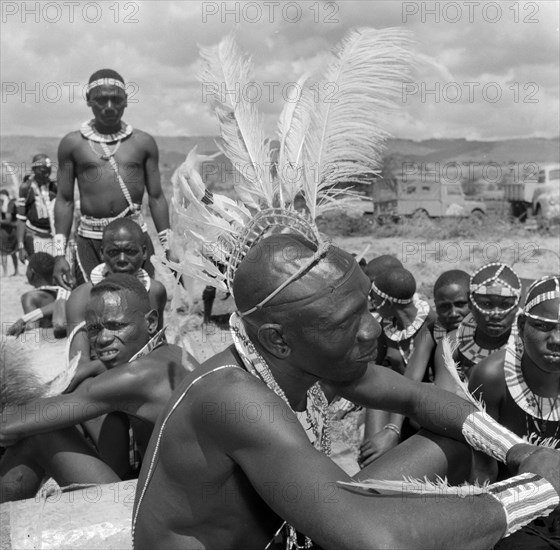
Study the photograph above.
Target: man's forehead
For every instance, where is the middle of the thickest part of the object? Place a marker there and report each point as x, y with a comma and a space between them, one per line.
106, 90
121, 241
112, 304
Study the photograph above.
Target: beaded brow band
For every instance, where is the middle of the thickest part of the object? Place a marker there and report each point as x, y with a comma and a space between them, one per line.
43, 162
104, 82
388, 298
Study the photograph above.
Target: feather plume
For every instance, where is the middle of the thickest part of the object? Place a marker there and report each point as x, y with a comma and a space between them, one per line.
412, 486
292, 128
359, 90
461, 389
226, 73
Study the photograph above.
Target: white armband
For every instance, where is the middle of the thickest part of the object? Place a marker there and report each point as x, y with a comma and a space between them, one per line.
164, 237
32, 316
484, 434
524, 498
60, 242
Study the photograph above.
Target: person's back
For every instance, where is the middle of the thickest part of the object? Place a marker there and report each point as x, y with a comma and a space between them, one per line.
197, 495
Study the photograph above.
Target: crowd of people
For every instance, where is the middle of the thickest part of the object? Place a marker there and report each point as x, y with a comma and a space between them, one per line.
236, 452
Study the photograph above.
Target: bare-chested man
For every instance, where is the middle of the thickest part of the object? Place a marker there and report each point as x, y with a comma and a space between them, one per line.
241, 446
123, 251
113, 164
142, 372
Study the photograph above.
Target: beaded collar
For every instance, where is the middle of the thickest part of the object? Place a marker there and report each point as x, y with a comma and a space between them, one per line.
87, 129
99, 272
397, 335
439, 332
467, 346
547, 409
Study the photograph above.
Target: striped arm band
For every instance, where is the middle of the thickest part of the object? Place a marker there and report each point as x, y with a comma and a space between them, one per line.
484, 434
524, 498
32, 316
60, 243
164, 237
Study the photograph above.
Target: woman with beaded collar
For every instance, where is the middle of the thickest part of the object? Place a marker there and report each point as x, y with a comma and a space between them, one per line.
494, 294
520, 386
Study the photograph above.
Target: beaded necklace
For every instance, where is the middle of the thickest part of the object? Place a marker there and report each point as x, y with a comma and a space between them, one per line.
536, 407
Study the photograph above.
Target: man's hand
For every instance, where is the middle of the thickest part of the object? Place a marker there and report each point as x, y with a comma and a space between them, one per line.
22, 254
542, 461
62, 273
376, 446
17, 328
85, 370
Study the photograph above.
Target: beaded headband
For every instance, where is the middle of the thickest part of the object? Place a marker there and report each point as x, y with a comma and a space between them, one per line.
45, 161
542, 297
388, 298
105, 82
494, 285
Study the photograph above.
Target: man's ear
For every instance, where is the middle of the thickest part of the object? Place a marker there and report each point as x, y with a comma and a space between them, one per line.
271, 338
152, 318
144, 252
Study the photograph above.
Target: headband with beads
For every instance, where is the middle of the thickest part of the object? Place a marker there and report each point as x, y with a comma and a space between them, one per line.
105, 82
495, 286
544, 297
388, 298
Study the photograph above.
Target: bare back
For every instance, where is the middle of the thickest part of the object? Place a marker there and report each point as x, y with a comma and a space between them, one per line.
212, 502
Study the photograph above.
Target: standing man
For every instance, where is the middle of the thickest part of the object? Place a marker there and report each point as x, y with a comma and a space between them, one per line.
113, 164
35, 228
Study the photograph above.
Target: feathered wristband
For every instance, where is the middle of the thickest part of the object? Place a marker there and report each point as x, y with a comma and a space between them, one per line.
484, 434
524, 498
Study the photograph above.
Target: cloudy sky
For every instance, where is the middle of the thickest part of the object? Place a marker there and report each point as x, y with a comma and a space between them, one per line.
494, 75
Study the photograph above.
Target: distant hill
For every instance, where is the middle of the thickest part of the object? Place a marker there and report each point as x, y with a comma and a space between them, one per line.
18, 150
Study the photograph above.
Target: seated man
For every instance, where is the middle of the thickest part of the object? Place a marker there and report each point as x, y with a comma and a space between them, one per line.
243, 444
123, 251
520, 386
450, 291
47, 302
142, 372
494, 294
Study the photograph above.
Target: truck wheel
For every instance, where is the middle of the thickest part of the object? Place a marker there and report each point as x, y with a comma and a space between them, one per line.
542, 222
420, 214
477, 217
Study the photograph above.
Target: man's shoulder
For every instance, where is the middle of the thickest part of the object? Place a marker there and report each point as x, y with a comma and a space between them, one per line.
71, 137
144, 138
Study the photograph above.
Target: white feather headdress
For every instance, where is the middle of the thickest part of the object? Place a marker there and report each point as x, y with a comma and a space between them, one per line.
331, 136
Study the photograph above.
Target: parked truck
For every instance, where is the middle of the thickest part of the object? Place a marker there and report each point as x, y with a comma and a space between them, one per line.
534, 192
421, 198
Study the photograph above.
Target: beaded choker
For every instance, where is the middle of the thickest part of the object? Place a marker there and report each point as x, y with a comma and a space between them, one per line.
546, 409
88, 130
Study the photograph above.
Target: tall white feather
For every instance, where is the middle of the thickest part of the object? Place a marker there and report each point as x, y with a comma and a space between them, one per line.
360, 89
292, 128
225, 75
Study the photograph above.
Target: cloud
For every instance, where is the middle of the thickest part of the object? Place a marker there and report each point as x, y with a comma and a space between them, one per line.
155, 47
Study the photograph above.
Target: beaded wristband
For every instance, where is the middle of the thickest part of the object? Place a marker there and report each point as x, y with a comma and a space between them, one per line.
393, 428
60, 242
524, 498
484, 434
164, 237
32, 316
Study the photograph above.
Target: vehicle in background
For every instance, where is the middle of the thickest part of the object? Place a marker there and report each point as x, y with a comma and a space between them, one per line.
535, 192
546, 196
424, 199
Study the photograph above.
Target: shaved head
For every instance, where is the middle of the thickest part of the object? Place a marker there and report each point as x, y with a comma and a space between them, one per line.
398, 283
122, 226
272, 261
380, 264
